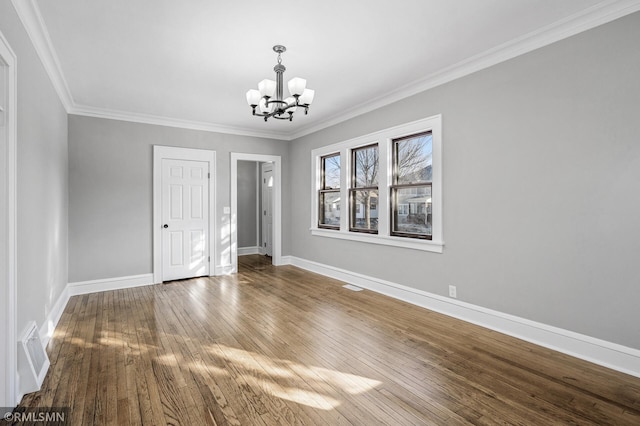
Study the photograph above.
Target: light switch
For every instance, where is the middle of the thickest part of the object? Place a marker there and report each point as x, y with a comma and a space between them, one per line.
226, 210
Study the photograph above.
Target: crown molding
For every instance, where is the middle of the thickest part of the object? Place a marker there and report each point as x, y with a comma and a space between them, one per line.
29, 14
134, 117
587, 19
592, 17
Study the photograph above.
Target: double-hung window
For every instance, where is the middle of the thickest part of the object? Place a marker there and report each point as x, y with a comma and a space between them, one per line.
363, 194
388, 190
412, 174
329, 192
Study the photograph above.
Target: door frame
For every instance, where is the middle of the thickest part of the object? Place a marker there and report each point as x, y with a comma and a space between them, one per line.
160, 153
8, 281
263, 248
277, 204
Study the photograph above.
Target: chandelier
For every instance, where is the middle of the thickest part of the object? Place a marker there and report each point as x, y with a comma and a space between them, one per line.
269, 100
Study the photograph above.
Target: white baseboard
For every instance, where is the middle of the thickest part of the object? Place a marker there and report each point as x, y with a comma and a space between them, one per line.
224, 270
94, 286
286, 260
86, 287
601, 352
46, 331
243, 251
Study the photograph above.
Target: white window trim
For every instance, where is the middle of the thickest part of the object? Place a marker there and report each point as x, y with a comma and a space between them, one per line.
384, 140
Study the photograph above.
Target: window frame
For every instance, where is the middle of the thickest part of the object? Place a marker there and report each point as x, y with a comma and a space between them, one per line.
353, 189
384, 140
395, 186
323, 190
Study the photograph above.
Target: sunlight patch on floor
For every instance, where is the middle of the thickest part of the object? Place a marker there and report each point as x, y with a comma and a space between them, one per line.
310, 399
294, 381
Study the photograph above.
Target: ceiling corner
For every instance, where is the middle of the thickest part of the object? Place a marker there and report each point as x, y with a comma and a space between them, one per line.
29, 14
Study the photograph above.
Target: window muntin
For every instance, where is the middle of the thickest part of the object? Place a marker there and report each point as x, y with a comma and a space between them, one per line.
384, 236
363, 193
411, 201
329, 193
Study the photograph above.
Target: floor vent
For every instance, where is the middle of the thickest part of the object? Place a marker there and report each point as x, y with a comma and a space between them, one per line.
352, 287
33, 362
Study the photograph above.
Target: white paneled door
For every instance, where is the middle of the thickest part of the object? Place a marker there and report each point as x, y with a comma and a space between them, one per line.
185, 219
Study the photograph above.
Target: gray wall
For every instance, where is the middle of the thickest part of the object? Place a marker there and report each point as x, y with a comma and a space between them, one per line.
541, 187
42, 180
247, 203
110, 191
541, 176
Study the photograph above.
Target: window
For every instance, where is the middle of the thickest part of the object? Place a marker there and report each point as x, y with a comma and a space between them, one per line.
389, 189
329, 193
412, 173
363, 194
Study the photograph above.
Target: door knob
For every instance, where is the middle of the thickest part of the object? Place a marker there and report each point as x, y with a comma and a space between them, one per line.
165, 226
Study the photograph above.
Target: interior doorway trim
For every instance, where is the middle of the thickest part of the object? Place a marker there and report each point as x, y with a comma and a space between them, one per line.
277, 204
8, 263
171, 152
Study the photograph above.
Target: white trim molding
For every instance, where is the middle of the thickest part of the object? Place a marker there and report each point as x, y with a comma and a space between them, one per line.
53, 317
31, 18
410, 243
160, 153
232, 267
87, 287
225, 270
108, 284
597, 351
599, 14
384, 141
584, 20
8, 263
158, 120
244, 251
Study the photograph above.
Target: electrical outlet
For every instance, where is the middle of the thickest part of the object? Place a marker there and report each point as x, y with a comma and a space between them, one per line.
453, 292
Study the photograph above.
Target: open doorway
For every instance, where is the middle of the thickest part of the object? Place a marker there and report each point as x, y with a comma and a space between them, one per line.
255, 182
255, 207
249, 206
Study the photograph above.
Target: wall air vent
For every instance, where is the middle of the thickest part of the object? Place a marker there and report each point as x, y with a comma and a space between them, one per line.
352, 287
33, 361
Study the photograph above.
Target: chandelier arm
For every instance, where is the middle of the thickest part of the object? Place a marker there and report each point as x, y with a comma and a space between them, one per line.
280, 107
281, 110
277, 101
273, 114
259, 114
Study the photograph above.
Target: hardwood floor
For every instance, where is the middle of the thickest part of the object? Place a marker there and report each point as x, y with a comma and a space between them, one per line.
284, 346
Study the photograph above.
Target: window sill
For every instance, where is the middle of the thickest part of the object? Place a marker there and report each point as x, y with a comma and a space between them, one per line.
409, 243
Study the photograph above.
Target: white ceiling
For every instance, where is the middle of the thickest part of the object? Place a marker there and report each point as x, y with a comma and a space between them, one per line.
189, 63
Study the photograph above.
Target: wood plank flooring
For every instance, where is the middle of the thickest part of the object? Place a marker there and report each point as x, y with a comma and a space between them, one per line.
282, 346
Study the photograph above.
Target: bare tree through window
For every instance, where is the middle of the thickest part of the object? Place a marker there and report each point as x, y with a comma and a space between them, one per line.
329, 193
364, 191
411, 189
